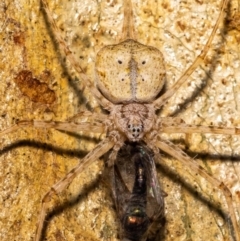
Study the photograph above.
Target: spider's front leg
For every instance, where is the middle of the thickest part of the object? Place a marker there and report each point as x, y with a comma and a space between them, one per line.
57, 188
83, 122
177, 153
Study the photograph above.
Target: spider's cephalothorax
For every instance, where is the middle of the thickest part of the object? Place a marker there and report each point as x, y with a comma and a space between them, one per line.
133, 120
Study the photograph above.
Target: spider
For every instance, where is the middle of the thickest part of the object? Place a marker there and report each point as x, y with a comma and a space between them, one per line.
174, 129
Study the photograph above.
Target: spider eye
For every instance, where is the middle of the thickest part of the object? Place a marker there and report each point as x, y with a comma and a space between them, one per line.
119, 61
143, 62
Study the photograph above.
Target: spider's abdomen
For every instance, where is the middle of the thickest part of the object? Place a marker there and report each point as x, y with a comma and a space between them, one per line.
129, 72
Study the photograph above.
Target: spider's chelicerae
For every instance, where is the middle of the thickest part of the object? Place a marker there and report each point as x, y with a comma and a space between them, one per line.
130, 109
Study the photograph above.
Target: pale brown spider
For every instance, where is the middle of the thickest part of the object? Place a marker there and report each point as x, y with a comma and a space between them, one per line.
134, 127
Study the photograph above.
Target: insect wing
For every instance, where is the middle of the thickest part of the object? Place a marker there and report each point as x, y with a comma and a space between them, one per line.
136, 192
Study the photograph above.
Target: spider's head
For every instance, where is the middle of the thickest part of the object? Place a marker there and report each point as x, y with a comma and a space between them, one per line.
135, 131
133, 120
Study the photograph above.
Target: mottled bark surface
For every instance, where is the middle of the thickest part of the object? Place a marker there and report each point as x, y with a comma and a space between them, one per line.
32, 160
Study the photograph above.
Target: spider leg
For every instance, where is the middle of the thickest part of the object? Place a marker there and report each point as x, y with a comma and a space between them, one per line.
97, 152
63, 45
177, 153
169, 93
63, 126
170, 125
89, 115
83, 121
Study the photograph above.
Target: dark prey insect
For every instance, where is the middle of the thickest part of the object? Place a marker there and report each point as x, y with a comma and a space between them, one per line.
136, 192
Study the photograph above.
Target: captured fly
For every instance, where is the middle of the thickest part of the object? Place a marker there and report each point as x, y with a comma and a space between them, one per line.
136, 193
